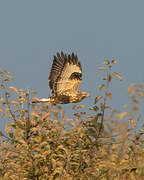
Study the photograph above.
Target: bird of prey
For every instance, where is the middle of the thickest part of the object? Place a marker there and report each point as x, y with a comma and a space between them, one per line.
64, 80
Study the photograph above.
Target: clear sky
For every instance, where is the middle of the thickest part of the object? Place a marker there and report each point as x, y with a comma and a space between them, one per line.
32, 31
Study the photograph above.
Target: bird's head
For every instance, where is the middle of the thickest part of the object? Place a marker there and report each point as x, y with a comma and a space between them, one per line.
83, 95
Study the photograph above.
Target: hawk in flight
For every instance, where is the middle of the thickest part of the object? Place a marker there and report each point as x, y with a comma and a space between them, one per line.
64, 80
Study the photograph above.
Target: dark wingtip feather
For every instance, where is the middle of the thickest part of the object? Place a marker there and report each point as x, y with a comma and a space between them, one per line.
62, 54
73, 55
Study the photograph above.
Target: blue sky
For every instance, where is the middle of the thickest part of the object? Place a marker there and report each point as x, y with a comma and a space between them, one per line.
31, 32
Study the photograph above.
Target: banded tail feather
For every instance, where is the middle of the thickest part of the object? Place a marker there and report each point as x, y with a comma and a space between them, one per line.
43, 100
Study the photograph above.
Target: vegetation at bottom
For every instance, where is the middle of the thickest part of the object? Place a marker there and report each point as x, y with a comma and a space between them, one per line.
99, 142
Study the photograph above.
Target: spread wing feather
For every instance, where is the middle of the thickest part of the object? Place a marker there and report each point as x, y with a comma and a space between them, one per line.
65, 75
57, 66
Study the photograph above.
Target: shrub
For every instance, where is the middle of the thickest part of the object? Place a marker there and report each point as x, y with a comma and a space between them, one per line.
40, 142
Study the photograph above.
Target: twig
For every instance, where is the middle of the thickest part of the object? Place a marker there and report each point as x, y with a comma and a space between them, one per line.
9, 139
28, 118
7, 102
104, 104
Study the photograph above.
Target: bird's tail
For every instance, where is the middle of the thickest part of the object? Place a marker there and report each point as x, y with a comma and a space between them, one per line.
44, 100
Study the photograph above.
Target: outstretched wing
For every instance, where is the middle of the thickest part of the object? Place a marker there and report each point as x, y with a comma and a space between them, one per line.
65, 75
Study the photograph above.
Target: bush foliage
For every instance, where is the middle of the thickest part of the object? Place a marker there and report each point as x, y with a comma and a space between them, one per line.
40, 142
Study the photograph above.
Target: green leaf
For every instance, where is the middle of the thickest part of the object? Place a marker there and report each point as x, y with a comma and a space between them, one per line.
11, 135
